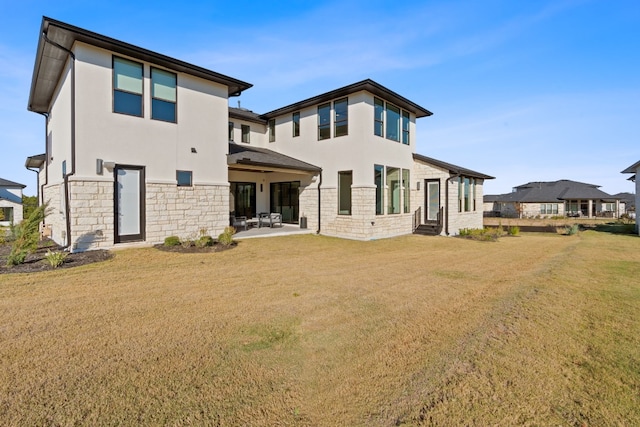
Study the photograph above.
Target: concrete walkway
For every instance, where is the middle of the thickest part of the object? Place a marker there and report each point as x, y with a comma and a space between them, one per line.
284, 230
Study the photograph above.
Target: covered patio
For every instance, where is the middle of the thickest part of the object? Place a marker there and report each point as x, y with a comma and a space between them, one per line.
262, 182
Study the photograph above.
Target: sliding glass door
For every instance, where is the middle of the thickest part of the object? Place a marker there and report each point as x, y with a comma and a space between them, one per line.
244, 199
284, 199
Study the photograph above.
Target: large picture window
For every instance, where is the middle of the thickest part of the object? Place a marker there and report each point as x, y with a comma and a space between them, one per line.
6, 214
341, 120
378, 179
345, 179
127, 87
548, 208
393, 123
324, 121
163, 95
393, 190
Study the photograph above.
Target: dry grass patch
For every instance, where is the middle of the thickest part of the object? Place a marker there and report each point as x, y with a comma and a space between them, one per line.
308, 330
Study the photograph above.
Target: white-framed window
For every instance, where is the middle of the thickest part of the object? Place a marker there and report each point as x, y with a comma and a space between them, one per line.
549, 208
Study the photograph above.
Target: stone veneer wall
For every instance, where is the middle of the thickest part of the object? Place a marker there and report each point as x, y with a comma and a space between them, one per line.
184, 211
170, 210
308, 205
460, 220
363, 223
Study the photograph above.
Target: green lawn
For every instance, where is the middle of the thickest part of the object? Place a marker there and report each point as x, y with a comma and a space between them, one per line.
540, 329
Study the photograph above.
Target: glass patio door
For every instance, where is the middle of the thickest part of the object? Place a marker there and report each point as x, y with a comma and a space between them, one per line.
284, 200
129, 204
432, 200
244, 196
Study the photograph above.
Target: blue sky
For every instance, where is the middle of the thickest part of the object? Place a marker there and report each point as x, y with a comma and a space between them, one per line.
521, 90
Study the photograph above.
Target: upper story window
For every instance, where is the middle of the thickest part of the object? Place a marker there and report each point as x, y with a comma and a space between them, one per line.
296, 123
127, 87
398, 122
230, 131
272, 130
163, 95
393, 122
341, 119
246, 133
405, 127
324, 121
378, 117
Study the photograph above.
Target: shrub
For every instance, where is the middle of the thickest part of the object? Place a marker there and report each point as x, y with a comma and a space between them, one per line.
56, 258
226, 237
574, 229
172, 241
204, 241
513, 230
27, 234
481, 234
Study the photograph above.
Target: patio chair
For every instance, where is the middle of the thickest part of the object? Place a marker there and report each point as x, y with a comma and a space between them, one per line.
239, 222
269, 220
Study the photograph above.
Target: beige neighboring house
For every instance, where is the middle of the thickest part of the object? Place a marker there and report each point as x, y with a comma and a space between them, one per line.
635, 170
141, 146
10, 202
544, 199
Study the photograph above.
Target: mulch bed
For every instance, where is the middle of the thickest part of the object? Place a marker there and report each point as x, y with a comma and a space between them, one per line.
36, 261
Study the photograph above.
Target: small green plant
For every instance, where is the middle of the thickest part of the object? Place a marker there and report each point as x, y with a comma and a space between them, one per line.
513, 230
226, 237
27, 234
55, 258
204, 241
172, 241
481, 234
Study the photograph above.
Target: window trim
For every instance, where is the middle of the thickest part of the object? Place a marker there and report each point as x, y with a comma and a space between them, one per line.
271, 130
350, 207
341, 122
178, 172
247, 134
114, 59
155, 98
322, 126
295, 120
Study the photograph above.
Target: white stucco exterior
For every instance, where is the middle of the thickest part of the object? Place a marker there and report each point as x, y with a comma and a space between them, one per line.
96, 156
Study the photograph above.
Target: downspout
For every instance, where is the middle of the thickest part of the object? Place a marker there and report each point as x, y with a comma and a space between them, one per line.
446, 203
319, 205
67, 209
46, 162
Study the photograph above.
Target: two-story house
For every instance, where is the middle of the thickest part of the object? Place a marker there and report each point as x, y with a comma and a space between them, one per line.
140, 146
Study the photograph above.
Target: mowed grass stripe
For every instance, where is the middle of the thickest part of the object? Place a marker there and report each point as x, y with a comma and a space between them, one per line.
309, 330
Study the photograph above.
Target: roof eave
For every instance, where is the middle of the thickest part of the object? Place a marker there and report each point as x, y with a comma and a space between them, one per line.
73, 34
364, 85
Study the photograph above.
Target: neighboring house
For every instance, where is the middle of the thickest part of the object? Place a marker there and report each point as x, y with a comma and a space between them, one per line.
635, 170
10, 202
627, 202
141, 146
554, 198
